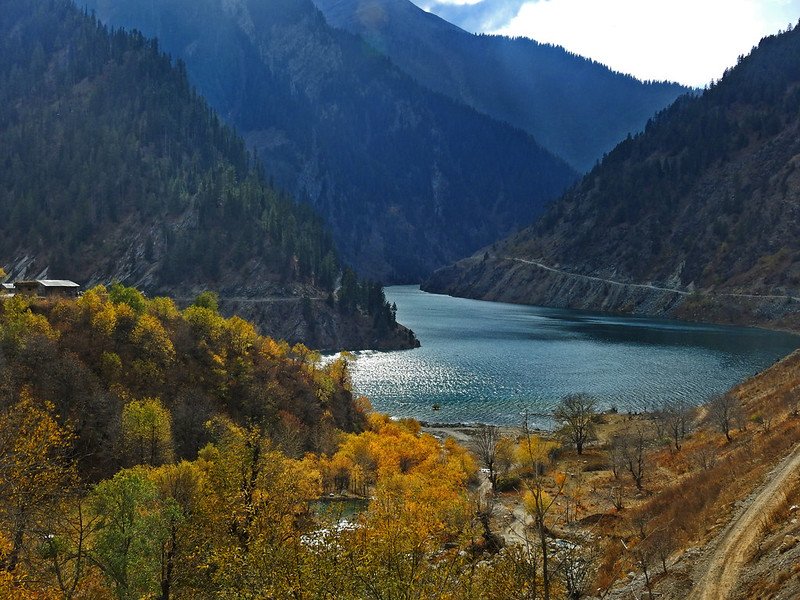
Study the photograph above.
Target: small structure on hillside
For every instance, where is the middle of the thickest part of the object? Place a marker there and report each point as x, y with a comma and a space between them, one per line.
47, 288
6, 289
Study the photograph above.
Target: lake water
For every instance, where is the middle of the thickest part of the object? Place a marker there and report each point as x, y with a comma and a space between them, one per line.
490, 362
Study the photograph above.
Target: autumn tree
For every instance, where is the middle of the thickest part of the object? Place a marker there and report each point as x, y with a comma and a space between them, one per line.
133, 525
419, 504
147, 432
20, 325
35, 470
575, 413
259, 497
66, 534
152, 340
181, 490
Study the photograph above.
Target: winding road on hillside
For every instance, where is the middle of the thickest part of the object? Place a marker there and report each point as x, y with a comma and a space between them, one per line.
737, 542
645, 286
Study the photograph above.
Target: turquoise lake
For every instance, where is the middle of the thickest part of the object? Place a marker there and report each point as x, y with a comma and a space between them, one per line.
490, 362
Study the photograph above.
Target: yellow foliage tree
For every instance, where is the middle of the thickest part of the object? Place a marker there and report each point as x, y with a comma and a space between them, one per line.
260, 498
34, 470
163, 309
153, 340
20, 324
147, 432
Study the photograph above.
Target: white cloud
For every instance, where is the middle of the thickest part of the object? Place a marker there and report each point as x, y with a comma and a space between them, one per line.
481, 17
690, 41
459, 2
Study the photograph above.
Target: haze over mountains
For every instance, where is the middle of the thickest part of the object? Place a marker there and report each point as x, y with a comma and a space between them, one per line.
698, 217
112, 168
576, 108
408, 179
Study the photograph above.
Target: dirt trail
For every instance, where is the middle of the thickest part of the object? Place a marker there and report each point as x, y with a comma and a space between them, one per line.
737, 542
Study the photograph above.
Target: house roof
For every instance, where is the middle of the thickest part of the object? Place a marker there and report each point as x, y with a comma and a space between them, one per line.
8, 286
57, 283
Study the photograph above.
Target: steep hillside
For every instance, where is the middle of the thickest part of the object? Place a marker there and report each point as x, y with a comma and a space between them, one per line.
408, 179
699, 216
111, 167
91, 356
576, 108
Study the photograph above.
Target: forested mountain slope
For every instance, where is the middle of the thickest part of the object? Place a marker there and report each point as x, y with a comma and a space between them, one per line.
576, 108
112, 167
698, 216
408, 179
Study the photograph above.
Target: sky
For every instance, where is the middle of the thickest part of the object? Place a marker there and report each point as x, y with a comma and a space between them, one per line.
688, 41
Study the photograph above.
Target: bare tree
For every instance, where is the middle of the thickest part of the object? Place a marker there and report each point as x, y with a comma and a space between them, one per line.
653, 548
615, 457
540, 502
484, 511
576, 414
705, 456
504, 455
633, 447
576, 566
675, 417
616, 493
485, 444
724, 410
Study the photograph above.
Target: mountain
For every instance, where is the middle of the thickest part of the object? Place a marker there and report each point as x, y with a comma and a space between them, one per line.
576, 108
113, 168
408, 179
698, 217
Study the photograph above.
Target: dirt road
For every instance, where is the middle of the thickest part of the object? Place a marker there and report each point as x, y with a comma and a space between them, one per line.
738, 540
648, 286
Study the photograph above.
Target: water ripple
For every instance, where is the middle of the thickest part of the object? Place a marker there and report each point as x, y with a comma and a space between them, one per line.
490, 362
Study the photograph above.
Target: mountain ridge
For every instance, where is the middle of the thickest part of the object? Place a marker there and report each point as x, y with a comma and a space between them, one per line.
113, 168
575, 107
408, 179
704, 201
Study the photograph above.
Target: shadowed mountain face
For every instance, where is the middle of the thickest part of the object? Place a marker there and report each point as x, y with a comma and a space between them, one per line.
701, 212
112, 168
408, 179
576, 108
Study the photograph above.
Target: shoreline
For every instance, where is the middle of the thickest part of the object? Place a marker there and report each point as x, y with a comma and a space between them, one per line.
466, 432
744, 324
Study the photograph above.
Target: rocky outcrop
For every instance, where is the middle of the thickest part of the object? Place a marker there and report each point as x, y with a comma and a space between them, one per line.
317, 325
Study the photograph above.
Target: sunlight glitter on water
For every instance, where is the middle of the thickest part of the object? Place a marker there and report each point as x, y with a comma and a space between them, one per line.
490, 362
